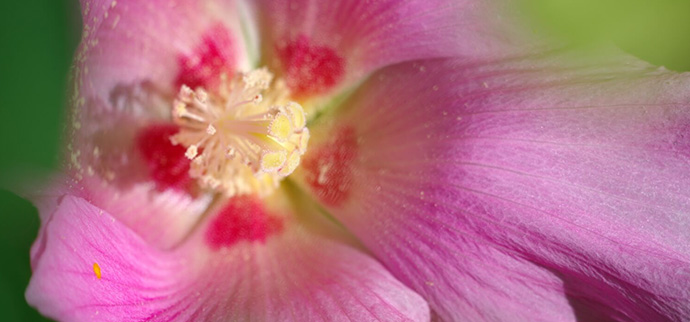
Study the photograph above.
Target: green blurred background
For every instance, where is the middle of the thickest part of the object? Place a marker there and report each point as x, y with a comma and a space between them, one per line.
38, 38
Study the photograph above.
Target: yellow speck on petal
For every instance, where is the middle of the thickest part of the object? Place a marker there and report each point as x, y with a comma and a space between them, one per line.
97, 270
117, 19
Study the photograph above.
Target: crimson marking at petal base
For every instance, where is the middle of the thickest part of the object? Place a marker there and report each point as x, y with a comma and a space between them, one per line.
243, 218
329, 167
215, 55
167, 164
310, 69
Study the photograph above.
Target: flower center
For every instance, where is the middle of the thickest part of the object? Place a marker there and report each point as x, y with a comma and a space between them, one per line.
242, 138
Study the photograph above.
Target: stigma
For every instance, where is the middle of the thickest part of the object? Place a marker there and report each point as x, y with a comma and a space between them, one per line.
244, 137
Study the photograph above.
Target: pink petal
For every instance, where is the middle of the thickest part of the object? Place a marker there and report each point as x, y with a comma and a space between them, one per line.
127, 41
46, 196
160, 218
163, 219
532, 188
326, 38
132, 59
95, 268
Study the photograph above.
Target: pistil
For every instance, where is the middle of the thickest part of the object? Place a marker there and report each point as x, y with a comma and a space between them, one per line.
243, 138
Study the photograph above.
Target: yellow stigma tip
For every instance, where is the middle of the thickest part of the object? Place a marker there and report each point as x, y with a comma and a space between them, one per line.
280, 128
297, 115
272, 161
303, 140
291, 164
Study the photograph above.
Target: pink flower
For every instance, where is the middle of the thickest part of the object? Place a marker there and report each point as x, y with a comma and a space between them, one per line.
361, 160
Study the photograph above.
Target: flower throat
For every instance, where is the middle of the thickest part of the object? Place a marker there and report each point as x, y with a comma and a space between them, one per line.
242, 138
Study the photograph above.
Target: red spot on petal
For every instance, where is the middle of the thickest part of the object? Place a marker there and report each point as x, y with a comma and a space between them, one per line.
310, 69
214, 56
167, 164
329, 167
243, 218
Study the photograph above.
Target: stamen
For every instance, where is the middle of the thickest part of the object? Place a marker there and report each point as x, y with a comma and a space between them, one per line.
240, 139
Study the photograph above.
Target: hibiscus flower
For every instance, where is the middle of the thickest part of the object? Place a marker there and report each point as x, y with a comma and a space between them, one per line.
361, 160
